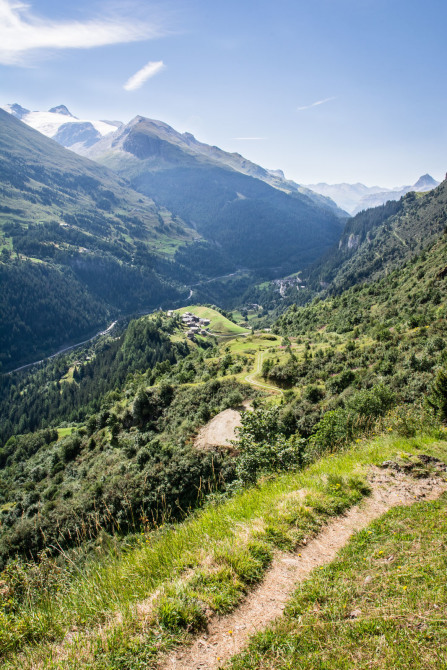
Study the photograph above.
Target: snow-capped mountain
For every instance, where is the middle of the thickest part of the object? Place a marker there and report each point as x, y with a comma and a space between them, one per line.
59, 124
356, 197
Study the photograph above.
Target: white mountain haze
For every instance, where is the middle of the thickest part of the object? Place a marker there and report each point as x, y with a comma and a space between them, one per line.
60, 124
94, 138
356, 197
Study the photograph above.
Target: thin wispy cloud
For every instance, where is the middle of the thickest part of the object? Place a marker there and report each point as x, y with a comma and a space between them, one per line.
249, 138
139, 78
22, 32
315, 104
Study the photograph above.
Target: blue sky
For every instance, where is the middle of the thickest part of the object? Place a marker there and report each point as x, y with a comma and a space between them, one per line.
327, 90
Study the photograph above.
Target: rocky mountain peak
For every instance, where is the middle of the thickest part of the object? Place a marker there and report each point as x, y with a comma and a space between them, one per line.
61, 109
425, 182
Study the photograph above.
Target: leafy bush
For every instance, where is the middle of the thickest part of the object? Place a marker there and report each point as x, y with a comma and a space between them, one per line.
372, 402
263, 447
335, 429
437, 399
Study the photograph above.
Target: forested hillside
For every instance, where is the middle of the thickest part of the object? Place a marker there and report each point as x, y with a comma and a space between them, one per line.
113, 465
77, 244
373, 243
134, 443
342, 364
255, 225
377, 240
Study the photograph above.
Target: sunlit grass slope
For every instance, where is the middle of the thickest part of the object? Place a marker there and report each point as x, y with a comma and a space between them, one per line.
151, 594
382, 604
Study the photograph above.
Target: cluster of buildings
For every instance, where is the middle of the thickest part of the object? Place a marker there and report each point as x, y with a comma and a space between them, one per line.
196, 325
283, 284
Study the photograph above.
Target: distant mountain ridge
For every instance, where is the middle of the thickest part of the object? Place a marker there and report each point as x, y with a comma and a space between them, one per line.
254, 225
378, 240
356, 197
81, 135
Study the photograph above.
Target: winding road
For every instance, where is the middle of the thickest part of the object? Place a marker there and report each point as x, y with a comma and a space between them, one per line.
62, 351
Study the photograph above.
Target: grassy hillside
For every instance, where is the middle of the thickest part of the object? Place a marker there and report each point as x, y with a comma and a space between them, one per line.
219, 324
159, 588
380, 604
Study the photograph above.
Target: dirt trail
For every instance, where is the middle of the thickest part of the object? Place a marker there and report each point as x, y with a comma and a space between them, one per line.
228, 635
258, 367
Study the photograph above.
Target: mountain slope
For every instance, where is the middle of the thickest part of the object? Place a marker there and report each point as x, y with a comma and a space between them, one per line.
408, 298
378, 240
81, 135
101, 248
255, 225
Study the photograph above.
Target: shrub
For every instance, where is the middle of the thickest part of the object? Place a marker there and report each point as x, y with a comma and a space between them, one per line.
437, 399
70, 449
263, 447
373, 402
333, 431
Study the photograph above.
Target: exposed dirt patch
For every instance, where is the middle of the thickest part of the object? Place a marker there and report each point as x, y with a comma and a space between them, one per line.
227, 635
219, 431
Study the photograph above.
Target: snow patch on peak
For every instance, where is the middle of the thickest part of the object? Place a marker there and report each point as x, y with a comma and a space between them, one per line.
61, 125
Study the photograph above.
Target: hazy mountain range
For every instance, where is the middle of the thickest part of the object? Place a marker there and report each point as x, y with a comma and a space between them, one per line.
356, 197
98, 139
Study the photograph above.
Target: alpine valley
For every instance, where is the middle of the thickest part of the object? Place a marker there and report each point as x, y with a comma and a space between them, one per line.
269, 371
91, 242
